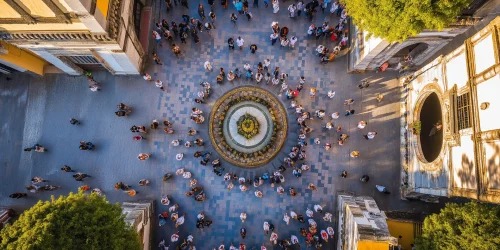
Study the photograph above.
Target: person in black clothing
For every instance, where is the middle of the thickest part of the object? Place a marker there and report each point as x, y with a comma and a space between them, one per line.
165, 25
169, 4
185, 18
253, 48
230, 42
194, 34
67, 168
18, 195
199, 25
174, 28
74, 121
201, 12
183, 37
184, 3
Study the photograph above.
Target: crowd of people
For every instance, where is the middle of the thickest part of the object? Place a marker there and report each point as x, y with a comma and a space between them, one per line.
263, 73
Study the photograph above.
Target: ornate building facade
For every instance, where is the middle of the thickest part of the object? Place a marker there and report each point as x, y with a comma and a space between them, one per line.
70, 36
450, 128
361, 224
368, 52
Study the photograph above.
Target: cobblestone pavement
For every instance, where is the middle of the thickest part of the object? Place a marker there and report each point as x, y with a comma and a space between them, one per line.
37, 110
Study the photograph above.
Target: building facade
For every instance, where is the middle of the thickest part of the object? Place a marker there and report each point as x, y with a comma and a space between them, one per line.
450, 130
361, 224
368, 52
140, 215
70, 36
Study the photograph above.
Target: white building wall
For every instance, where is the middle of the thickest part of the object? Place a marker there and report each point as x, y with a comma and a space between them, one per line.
56, 62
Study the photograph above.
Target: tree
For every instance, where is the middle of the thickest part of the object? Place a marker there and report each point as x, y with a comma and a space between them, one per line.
396, 20
76, 221
472, 225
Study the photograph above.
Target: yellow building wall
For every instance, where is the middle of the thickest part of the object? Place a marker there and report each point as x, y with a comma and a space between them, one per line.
405, 229
23, 59
372, 245
37, 8
102, 6
7, 12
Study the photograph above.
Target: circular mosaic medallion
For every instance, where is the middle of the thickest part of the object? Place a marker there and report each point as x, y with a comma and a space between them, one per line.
248, 126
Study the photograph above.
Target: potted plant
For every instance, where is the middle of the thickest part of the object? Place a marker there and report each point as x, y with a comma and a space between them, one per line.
416, 127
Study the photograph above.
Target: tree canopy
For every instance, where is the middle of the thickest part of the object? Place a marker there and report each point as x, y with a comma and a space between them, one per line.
396, 20
76, 221
469, 226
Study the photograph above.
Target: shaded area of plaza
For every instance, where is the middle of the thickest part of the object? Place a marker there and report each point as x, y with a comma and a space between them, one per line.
37, 110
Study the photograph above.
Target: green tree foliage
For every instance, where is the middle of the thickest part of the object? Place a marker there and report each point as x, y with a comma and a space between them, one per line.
469, 226
396, 20
76, 221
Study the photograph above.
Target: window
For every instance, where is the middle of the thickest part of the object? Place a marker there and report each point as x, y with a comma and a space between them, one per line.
463, 111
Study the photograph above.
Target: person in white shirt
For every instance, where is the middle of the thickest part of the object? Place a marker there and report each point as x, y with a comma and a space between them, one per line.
318, 208
276, 81
293, 40
331, 94
335, 115
147, 77
294, 239
159, 84
267, 62
293, 215
201, 216
247, 67
286, 218
309, 213
208, 66
259, 77
266, 227
240, 42
328, 217
285, 42
291, 10
334, 8
311, 29
284, 86
370, 135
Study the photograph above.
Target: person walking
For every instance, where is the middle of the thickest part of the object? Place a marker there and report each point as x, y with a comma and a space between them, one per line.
291, 10
276, 6
157, 37
208, 66
293, 40
253, 48
233, 18
370, 135
238, 5
176, 50
256, 3
354, 154
382, 189
201, 12
67, 168
74, 121
361, 125
212, 18
300, 6
274, 38
240, 42
159, 84
156, 59
230, 43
